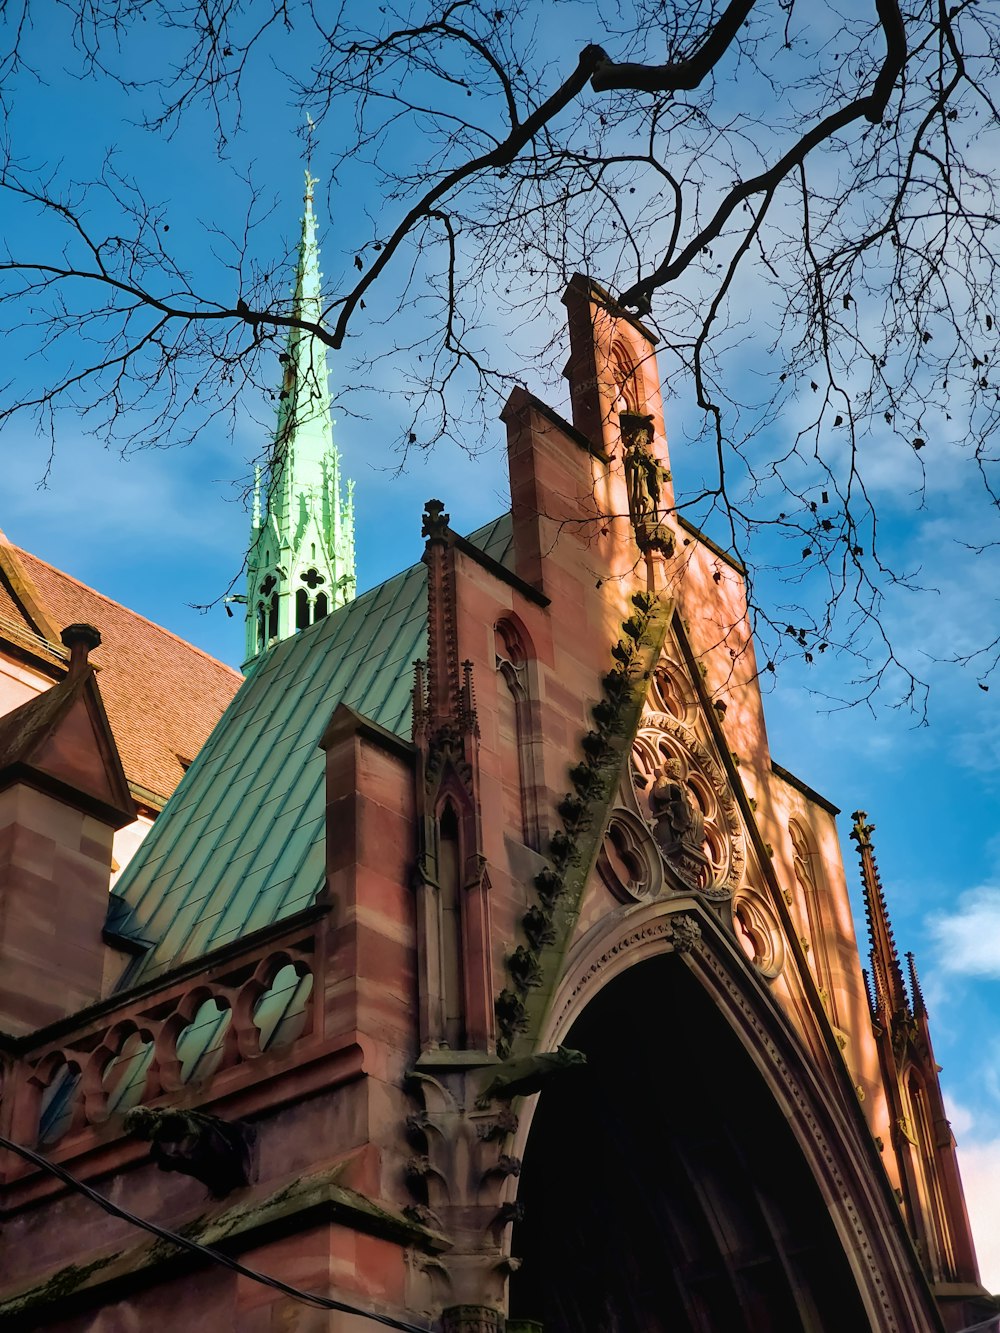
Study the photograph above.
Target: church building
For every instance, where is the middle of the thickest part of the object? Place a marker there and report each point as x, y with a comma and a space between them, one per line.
485, 973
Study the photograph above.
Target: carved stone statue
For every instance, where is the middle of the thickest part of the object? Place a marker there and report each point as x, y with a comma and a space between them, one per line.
679, 819
645, 478
679, 826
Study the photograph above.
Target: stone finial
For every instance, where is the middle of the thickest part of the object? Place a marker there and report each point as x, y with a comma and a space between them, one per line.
862, 831
81, 640
887, 973
435, 520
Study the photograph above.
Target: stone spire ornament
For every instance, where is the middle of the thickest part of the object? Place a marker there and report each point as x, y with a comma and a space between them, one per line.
300, 564
887, 973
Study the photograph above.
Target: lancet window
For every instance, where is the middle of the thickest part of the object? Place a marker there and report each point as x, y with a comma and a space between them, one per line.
267, 612
515, 733
939, 1258
310, 604
818, 928
625, 379
450, 917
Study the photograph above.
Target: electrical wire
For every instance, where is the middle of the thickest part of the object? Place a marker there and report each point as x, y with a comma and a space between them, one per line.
203, 1251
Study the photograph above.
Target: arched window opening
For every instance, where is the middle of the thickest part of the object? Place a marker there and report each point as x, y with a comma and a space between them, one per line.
301, 609
450, 905
272, 618
58, 1103
514, 735
201, 1045
125, 1073
280, 1013
320, 609
932, 1226
722, 1226
261, 626
626, 380
821, 946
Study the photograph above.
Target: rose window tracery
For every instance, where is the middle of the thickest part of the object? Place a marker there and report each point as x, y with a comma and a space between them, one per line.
670, 692
685, 802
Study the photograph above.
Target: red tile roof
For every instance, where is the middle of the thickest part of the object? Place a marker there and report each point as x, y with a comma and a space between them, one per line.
163, 696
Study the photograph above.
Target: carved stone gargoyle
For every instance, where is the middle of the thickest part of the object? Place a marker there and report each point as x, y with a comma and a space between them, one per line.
214, 1151
522, 1077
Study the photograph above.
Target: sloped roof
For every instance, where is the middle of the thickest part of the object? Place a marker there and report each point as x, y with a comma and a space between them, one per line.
86, 761
241, 843
163, 696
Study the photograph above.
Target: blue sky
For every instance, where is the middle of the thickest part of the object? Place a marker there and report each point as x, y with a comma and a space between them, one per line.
165, 530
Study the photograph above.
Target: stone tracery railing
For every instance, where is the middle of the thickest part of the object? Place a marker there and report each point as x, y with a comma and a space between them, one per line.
180, 1038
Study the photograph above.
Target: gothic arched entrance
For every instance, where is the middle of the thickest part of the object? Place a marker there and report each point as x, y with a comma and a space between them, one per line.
663, 1190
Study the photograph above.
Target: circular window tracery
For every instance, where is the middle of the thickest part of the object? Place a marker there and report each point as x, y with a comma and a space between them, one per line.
758, 933
627, 860
670, 691
685, 801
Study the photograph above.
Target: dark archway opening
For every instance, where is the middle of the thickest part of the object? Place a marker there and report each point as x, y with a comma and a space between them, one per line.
663, 1190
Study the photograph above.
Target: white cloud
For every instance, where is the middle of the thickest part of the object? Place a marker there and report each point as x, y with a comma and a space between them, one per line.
980, 1167
979, 1163
968, 940
960, 1117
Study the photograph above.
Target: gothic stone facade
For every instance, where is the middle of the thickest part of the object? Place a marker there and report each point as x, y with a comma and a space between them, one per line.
535, 1001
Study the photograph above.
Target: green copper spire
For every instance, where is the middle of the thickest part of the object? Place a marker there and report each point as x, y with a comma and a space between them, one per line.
300, 564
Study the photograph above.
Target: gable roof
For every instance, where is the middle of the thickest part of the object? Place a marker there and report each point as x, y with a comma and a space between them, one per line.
61, 740
162, 695
241, 844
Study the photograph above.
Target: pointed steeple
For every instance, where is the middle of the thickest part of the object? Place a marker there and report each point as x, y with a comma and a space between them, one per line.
921, 1137
300, 565
887, 974
919, 1008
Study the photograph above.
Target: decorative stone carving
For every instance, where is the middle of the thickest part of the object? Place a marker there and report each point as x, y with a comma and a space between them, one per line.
524, 969
679, 826
640, 937
434, 522
538, 928
472, 1319
216, 1152
505, 1166
758, 932
812, 1135
687, 933
670, 691
645, 478
501, 1125
628, 861
685, 800
520, 1078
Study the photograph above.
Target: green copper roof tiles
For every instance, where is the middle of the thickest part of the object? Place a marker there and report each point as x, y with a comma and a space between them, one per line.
241, 843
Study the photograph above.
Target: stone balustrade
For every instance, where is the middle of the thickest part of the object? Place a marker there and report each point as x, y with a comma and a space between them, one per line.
178, 1038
